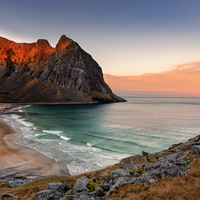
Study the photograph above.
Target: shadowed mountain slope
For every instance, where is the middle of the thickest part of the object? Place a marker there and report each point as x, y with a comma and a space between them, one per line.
38, 73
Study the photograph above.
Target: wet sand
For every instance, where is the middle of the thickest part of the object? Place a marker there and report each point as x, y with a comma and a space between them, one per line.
20, 161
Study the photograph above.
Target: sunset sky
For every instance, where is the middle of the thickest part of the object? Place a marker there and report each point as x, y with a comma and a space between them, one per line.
126, 37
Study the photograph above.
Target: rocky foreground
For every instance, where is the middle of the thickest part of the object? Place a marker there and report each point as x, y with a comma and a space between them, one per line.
39, 73
143, 169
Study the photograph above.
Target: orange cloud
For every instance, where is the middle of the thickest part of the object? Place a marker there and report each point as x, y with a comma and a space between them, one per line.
182, 80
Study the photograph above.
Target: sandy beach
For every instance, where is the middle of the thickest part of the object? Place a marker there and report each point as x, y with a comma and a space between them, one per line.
20, 161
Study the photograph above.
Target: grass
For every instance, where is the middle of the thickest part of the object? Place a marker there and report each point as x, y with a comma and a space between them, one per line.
168, 188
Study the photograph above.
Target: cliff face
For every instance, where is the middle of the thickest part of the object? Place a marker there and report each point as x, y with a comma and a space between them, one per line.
38, 73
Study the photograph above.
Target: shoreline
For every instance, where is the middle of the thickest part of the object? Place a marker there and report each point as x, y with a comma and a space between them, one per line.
21, 161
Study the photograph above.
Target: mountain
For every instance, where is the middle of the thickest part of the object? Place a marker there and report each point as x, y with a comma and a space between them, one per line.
38, 73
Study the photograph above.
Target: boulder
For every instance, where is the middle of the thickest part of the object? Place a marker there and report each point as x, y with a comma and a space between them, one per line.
47, 195
105, 186
145, 177
148, 166
7, 195
132, 180
99, 192
151, 156
80, 185
152, 181
54, 186
145, 153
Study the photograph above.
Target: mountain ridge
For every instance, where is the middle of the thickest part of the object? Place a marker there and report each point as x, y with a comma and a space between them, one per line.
39, 73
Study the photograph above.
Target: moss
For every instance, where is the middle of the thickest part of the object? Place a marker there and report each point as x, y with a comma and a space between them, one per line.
167, 178
5, 185
186, 148
176, 145
139, 170
181, 167
70, 186
91, 186
188, 158
131, 172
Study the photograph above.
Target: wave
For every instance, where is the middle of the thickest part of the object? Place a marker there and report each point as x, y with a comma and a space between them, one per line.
65, 138
89, 144
53, 132
22, 121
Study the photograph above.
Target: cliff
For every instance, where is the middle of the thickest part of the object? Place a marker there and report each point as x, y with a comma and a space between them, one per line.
38, 73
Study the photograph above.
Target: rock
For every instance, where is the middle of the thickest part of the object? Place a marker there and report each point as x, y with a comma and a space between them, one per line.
99, 192
7, 195
94, 180
145, 153
152, 181
83, 197
132, 180
121, 181
145, 177
138, 181
172, 157
126, 161
145, 184
151, 156
196, 149
186, 153
36, 72
80, 185
54, 186
145, 159
47, 195
105, 186
148, 166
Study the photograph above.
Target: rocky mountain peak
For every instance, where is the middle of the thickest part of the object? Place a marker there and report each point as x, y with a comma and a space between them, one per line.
43, 43
36, 72
63, 42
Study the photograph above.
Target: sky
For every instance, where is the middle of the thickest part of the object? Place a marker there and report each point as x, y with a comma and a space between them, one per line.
180, 81
126, 37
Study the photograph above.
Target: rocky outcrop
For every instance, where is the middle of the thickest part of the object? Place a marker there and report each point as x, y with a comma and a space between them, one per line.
173, 162
38, 73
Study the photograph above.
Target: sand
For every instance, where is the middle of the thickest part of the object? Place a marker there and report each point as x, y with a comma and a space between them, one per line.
20, 161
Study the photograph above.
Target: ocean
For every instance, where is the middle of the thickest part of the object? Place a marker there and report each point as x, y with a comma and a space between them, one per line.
90, 137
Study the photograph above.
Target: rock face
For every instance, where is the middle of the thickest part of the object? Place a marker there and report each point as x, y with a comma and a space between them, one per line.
38, 73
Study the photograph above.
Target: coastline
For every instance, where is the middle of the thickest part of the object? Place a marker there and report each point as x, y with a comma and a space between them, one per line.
21, 161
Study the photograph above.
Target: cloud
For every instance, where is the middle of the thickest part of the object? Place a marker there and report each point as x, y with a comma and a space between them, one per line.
181, 80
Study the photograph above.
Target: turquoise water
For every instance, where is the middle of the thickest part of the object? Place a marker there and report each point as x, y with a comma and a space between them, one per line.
88, 137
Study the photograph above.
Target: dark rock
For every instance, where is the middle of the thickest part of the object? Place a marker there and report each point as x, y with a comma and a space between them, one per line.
196, 149
105, 186
94, 180
145, 153
7, 195
99, 192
